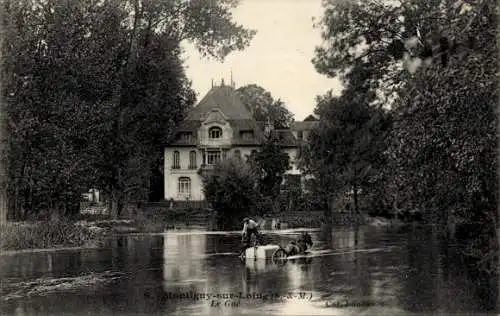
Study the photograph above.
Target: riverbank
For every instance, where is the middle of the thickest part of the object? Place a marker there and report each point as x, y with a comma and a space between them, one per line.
86, 231
89, 230
41, 235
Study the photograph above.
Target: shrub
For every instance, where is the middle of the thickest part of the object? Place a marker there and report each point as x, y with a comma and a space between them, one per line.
151, 223
232, 191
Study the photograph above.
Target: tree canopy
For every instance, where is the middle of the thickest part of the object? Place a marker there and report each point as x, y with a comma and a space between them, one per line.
238, 188
345, 151
264, 108
232, 191
270, 163
432, 66
94, 90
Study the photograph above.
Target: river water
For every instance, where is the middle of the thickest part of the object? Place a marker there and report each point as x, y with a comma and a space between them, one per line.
369, 271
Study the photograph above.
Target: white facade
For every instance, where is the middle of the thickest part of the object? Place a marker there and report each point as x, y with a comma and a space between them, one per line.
218, 128
185, 183
174, 176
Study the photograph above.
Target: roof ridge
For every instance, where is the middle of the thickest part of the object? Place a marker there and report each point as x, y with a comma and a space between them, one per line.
226, 99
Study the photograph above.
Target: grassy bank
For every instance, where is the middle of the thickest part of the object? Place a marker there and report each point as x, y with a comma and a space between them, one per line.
40, 235
158, 219
139, 222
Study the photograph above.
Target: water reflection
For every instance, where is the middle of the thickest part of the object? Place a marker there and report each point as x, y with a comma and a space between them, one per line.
387, 271
180, 254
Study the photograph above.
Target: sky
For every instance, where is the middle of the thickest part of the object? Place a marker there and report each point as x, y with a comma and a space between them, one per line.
278, 58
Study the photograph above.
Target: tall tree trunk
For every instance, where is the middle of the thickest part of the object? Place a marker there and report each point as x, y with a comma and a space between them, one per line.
3, 137
329, 208
3, 164
156, 183
116, 202
355, 197
72, 206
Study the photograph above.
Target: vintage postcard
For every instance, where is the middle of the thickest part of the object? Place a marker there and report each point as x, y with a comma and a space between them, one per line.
249, 157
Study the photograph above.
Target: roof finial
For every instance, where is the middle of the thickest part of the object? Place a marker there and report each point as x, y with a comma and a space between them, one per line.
222, 82
212, 82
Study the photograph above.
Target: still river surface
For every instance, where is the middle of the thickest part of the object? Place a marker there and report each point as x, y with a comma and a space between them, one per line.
372, 271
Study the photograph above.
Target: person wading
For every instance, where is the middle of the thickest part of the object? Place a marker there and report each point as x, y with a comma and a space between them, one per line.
250, 227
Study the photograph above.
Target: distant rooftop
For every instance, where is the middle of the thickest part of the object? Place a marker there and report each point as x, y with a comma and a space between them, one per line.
303, 125
311, 118
224, 98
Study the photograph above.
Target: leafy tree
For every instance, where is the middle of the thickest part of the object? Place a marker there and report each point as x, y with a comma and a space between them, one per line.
270, 165
264, 108
94, 89
209, 25
382, 40
433, 141
443, 143
345, 151
238, 188
291, 194
232, 191
53, 76
371, 43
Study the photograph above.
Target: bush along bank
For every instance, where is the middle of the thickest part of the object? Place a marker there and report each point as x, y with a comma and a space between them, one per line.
43, 235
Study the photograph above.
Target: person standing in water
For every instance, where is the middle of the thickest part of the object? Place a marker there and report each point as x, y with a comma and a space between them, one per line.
250, 227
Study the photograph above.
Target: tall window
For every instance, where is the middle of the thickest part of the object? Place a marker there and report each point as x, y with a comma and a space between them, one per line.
192, 159
215, 132
176, 160
213, 157
237, 154
184, 186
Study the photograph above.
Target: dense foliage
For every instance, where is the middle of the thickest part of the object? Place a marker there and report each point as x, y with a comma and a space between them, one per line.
345, 154
93, 91
238, 188
232, 191
420, 94
264, 107
270, 164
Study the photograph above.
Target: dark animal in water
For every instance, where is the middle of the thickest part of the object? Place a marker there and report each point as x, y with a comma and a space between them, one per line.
299, 246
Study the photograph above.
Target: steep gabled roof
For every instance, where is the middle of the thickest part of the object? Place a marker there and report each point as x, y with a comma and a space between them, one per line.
224, 98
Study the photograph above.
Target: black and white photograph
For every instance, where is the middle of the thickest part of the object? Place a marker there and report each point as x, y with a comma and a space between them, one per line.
249, 157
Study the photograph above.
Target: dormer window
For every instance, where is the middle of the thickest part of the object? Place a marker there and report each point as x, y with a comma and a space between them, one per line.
186, 136
246, 135
215, 133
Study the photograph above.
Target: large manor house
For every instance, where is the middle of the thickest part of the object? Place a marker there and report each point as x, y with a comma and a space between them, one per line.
219, 127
